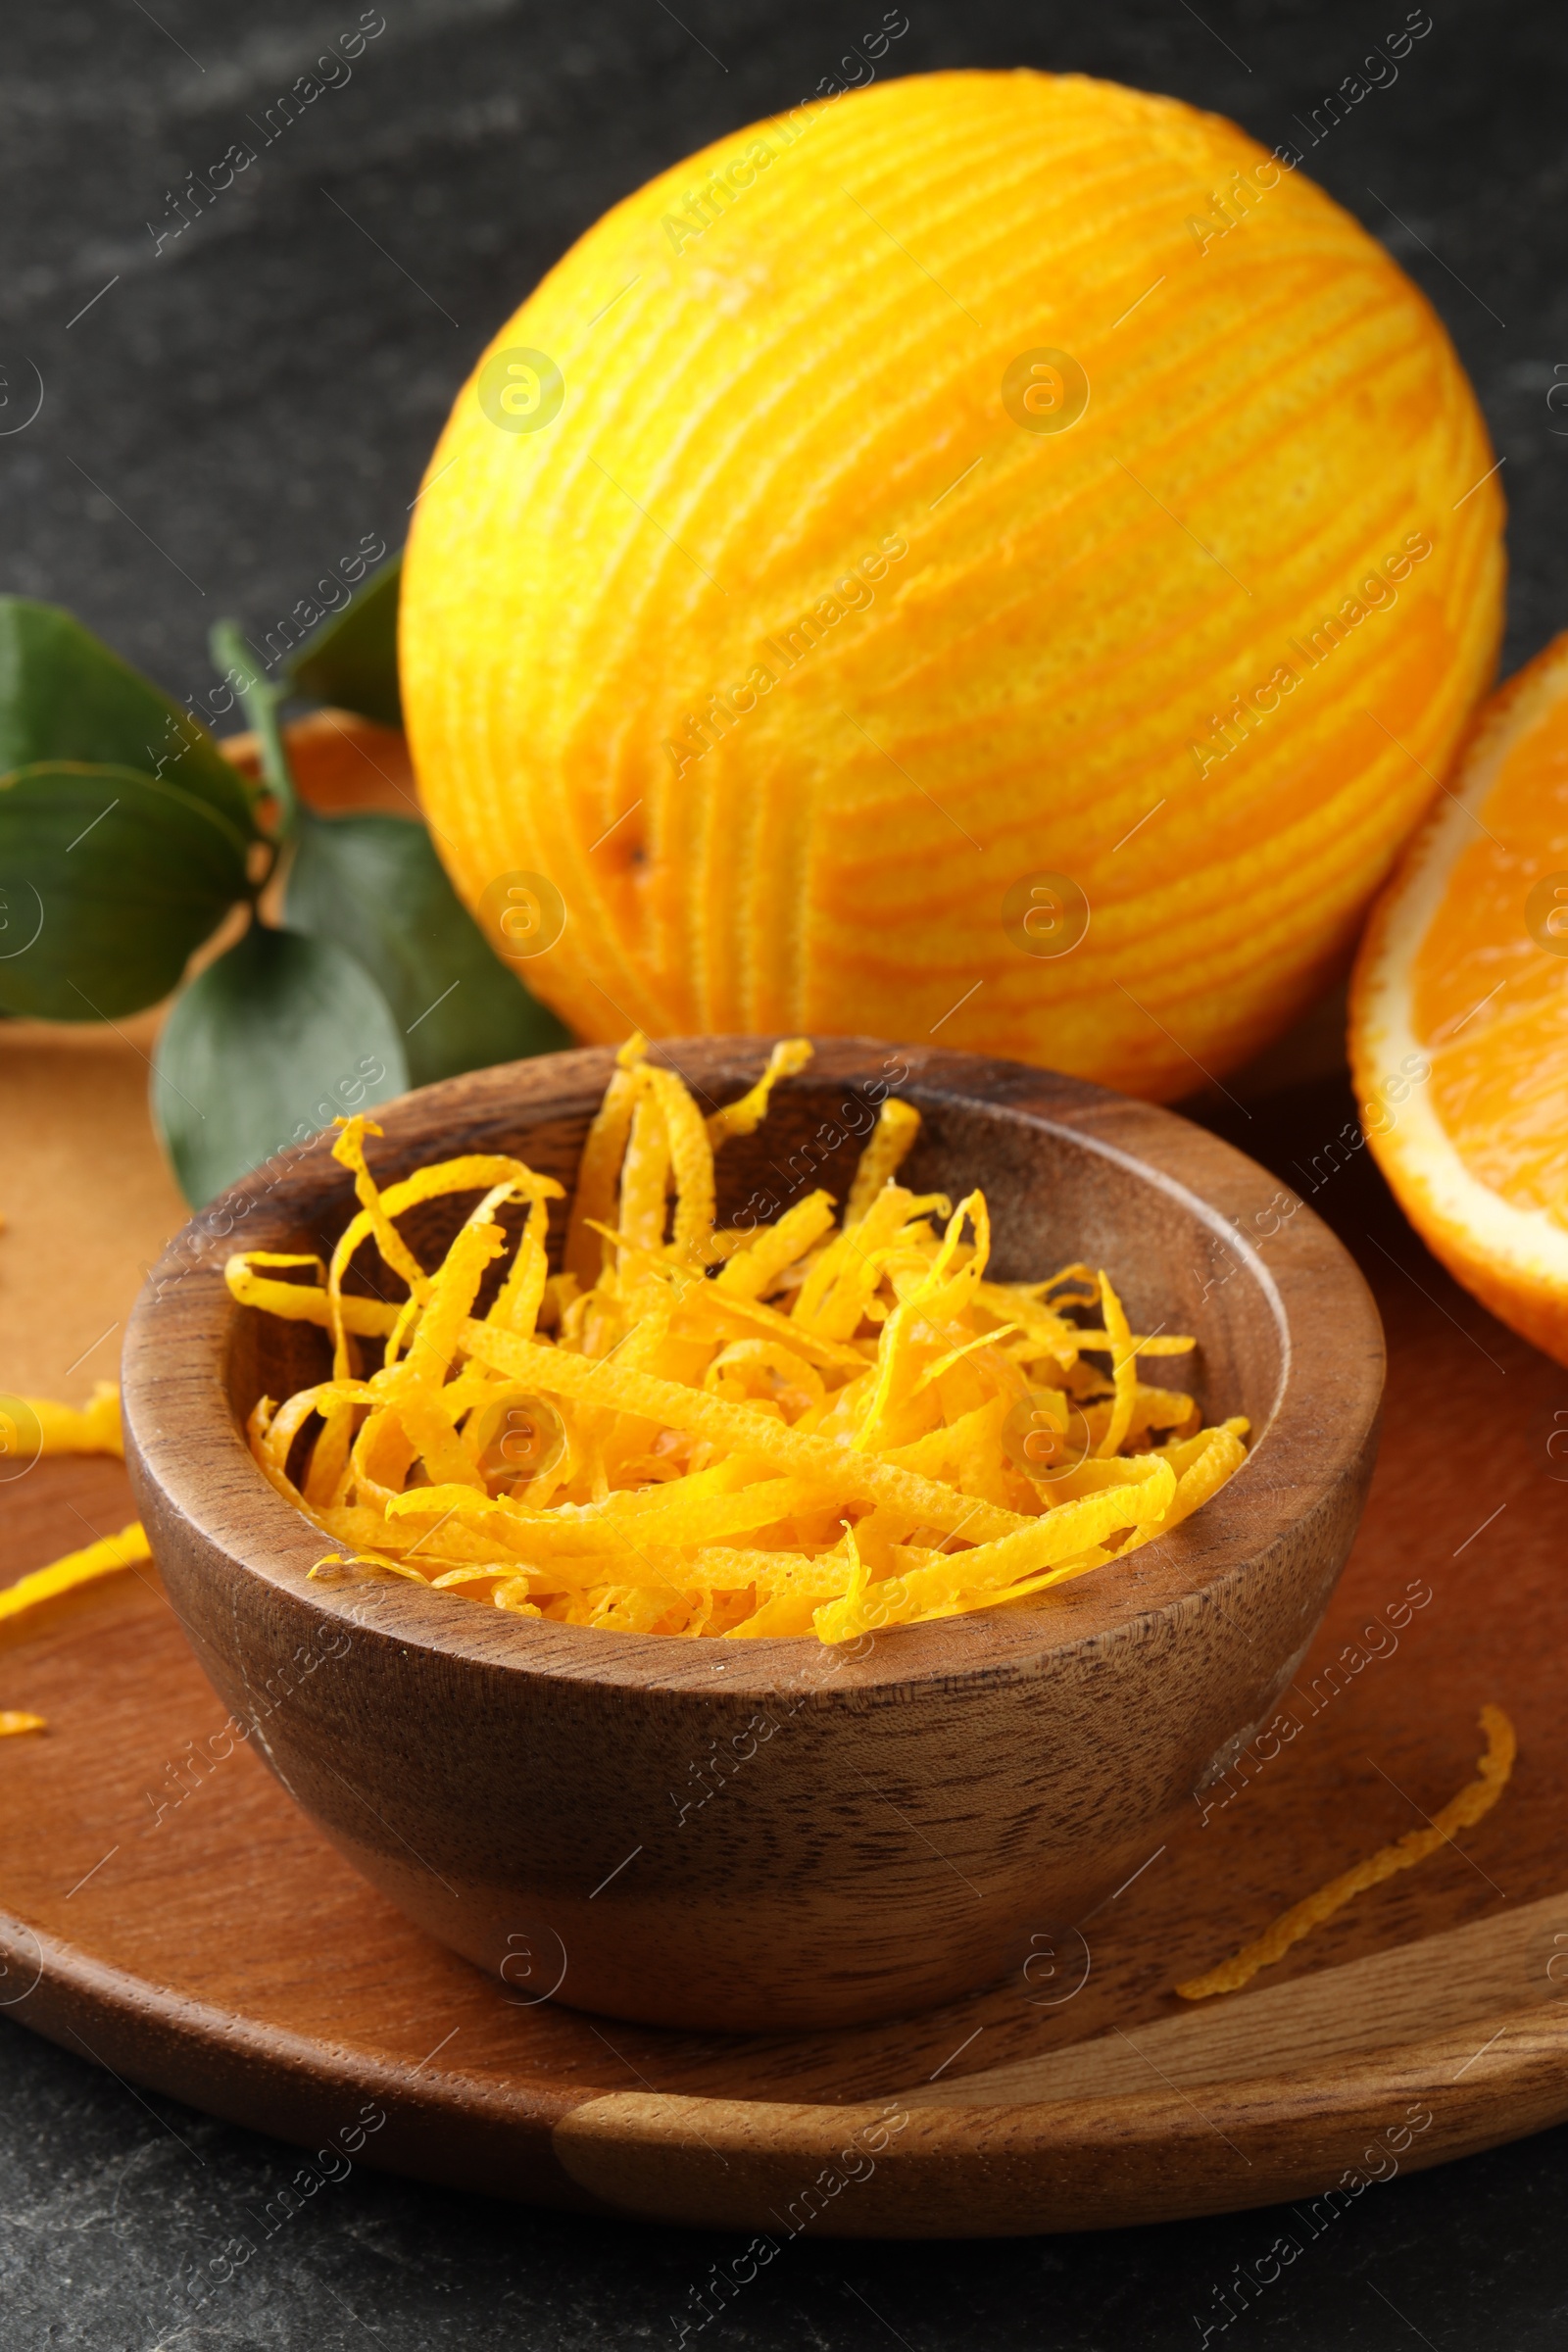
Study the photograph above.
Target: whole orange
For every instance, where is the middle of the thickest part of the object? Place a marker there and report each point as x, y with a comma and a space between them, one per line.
997, 557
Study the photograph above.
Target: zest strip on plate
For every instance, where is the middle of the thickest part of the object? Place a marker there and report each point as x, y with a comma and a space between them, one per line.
812, 1428
1461, 1812
106, 1557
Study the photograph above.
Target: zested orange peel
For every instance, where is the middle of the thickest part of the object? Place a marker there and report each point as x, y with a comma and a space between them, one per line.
58, 1429
809, 1427
789, 632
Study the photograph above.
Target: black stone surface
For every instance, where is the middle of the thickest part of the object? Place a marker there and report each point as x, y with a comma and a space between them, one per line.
223, 417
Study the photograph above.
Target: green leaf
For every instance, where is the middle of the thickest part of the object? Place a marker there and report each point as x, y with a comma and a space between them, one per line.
110, 880
375, 885
65, 695
279, 1037
259, 701
352, 660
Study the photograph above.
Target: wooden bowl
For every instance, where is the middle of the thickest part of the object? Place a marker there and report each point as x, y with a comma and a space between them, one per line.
775, 1834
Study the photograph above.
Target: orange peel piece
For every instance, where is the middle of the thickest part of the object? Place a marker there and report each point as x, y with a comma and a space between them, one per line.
892, 1139
300, 1301
103, 1558
787, 1060
599, 1169
1473, 1802
93, 1427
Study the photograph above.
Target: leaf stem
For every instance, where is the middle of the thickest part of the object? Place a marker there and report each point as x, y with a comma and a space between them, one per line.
259, 699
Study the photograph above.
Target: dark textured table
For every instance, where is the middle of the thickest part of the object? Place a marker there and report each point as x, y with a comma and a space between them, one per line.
228, 411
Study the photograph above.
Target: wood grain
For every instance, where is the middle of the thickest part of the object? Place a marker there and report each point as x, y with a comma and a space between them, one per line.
85, 1216
900, 1815
224, 1952
1495, 1967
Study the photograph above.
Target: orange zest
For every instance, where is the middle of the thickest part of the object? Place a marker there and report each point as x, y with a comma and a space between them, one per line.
64, 1428
103, 1558
39, 1424
1473, 1802
809, 1427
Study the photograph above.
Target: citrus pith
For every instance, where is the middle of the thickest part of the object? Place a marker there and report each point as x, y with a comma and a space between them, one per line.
999, 557
1463, 975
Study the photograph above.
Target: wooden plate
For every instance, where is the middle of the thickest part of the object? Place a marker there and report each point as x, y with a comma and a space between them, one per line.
167, 1912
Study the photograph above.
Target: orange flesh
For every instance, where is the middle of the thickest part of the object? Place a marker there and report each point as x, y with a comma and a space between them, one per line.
1487, 1003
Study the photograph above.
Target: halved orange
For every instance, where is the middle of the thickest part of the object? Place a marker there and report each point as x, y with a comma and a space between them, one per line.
1459, 1012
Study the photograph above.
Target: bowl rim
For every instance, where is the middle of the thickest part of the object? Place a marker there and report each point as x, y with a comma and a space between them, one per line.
190, 1464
